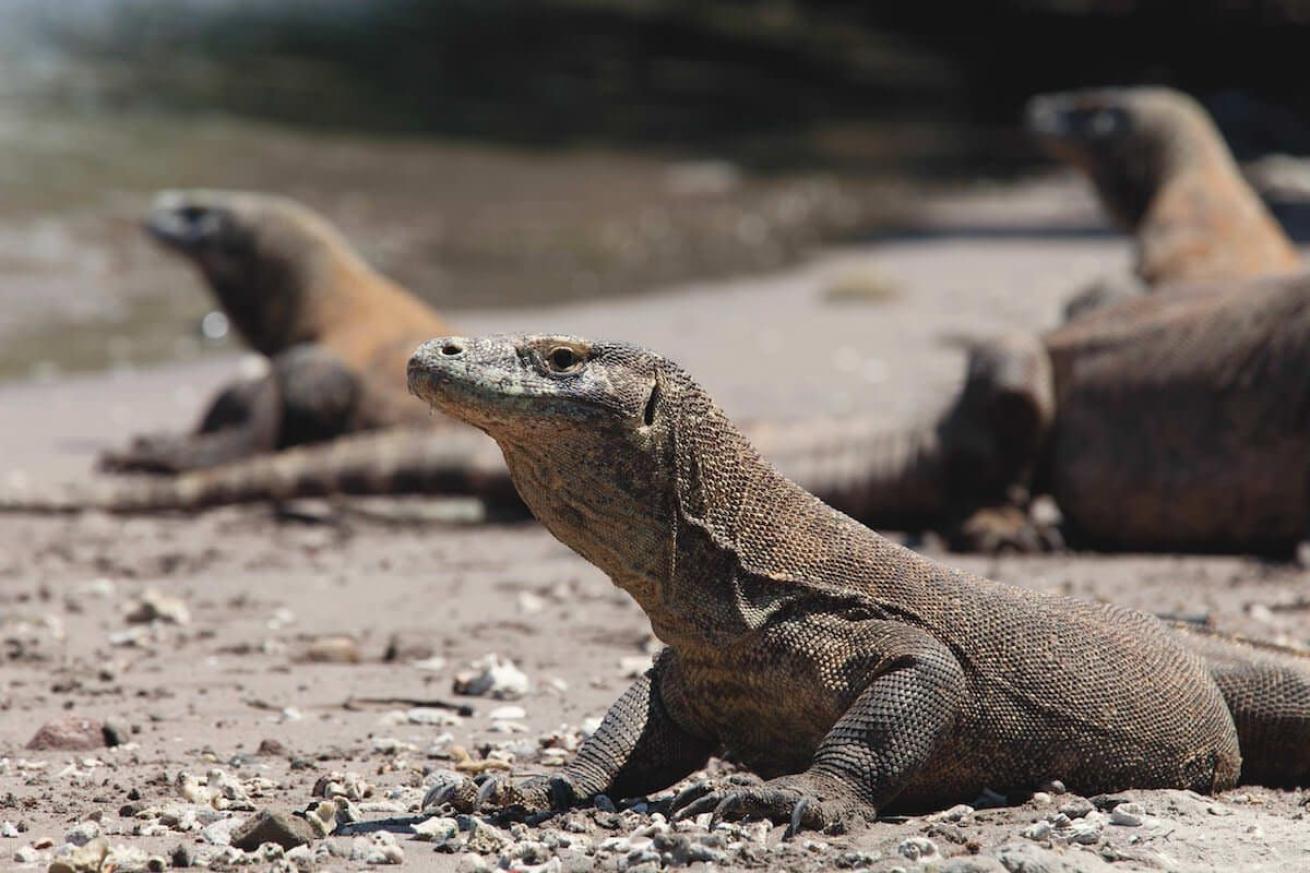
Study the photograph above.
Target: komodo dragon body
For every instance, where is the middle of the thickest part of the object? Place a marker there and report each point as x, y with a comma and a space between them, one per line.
335, 332
852, 674
1163, 172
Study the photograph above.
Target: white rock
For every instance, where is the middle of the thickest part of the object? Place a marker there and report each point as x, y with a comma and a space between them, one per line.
220, 832
1128, 815
511, 712
492, 676
26, 855
156, 607
437, 829
1038, 830
917, 849
8, 829
81, 834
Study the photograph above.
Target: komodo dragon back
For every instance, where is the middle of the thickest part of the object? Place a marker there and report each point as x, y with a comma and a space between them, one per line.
1183, 421
851, 673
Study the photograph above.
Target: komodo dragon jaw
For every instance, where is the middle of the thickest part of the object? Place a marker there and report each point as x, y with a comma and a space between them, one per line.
848, 672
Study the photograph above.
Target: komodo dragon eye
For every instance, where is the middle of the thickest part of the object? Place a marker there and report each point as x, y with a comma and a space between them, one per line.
563, 359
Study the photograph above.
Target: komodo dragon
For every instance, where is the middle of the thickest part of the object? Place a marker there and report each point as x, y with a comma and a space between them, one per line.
335, 332
853, 674
1164, 173
1162, 422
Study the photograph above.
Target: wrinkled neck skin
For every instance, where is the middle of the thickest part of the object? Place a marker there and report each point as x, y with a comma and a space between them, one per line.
600, 495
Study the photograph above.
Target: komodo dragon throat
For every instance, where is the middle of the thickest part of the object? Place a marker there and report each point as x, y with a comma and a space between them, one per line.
1164, 174
336, 333
850, 673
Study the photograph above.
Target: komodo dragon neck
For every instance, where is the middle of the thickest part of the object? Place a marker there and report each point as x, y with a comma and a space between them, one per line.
703, 532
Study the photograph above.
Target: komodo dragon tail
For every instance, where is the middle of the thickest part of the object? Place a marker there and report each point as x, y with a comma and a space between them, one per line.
883, 478
1267, 689
395, 461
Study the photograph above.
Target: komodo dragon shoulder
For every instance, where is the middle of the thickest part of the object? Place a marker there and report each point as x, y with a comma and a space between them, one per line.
851, 674
335, 332
1163, 172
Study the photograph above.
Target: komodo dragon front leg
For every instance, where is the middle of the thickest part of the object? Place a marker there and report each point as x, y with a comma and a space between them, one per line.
638, 748
307, 396
884, 740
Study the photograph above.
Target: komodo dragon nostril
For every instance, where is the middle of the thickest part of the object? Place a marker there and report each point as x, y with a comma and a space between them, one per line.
452, 349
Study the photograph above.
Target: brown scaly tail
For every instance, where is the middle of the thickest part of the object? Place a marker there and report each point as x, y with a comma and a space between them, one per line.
1267, 689
397, 461
883, 478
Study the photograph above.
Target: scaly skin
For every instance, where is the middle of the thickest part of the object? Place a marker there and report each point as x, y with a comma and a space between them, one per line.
851, 674
1163, 173
335, 332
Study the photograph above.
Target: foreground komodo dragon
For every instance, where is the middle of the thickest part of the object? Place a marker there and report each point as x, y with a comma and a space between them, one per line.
1163, 173
849, 672
335, 332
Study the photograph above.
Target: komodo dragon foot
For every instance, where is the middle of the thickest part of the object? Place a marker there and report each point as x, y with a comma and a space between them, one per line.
802, 801
1005, 528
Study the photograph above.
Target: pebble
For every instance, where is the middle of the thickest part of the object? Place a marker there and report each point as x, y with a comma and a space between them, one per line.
437, 829
26, 855
487, 839
83, 859
1076, 807
492, 676
511, 712
81, 834
267, 826
1038, 830
378, 848
154, 606
8, 829
917, 849
1129, 815
332, 650
68, 734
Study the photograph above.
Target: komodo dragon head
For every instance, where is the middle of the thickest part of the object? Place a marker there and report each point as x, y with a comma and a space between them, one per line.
1128, 140
269, 260
602, 439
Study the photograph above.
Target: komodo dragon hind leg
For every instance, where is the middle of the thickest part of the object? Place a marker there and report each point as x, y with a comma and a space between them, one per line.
993, 437
1267, 690
242, 421
873, 751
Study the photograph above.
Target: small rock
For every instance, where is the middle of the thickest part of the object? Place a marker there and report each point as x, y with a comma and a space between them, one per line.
488, 840
405, 646
971, 865
267, 826
437, 829
70, 733
272, 748
8, 829
492, 676
181, 856
1038, 830
502, 713
1128, 815
81, 834
1076, 807
155, 606
84, 859
26, 855
917, 849
332, 650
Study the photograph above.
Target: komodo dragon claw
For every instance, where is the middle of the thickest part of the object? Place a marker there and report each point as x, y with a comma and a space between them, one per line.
800, 801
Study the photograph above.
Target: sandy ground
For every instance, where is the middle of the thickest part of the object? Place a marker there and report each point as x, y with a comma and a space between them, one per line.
243, 656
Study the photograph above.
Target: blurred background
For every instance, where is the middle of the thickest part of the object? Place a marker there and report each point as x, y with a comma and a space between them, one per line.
504, 152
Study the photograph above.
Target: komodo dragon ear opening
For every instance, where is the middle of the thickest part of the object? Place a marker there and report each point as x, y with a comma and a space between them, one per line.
652, 404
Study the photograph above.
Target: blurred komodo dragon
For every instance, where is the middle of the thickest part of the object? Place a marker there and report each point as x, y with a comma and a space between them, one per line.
1163, 173
1168, 421
336, 333
853, 674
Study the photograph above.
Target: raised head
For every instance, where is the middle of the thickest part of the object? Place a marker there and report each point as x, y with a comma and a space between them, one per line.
263, 256
1128, 140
